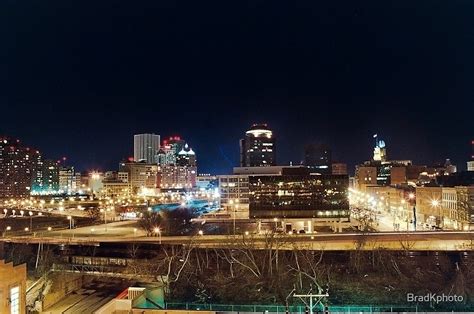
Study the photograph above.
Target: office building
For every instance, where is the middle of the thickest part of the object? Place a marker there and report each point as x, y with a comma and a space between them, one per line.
116, 184
145, 147
172, 177
234, 188
318, 157
66, 179
140, 175
177, 165
300, 200
206, 181
46, 178
257, 148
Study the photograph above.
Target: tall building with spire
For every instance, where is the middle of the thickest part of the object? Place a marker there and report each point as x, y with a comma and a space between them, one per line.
380, 150
257, 148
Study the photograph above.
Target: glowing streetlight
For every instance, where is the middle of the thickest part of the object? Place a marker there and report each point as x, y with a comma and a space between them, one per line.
200, 232
49, 228
158, 232
70, 221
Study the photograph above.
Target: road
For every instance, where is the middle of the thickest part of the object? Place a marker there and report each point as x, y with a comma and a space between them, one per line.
127, 232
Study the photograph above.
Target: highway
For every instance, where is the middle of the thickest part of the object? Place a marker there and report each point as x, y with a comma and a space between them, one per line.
126, 233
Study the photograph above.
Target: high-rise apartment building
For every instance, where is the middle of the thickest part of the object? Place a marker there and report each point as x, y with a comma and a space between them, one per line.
145, 147
257, 148
18, 165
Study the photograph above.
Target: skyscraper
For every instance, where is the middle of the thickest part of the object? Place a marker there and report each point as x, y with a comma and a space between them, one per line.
169, 151
177, 168
318, 157
380, 150
257, 148
145, 147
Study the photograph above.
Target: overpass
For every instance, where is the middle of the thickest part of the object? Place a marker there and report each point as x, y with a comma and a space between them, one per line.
412, 241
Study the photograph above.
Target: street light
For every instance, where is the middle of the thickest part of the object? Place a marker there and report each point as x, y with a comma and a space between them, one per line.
200, 232
31, 220
8, 228
70, 221
235, 205
435, 204
158, 231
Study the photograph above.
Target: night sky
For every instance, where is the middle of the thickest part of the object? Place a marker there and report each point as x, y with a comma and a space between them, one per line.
79, 78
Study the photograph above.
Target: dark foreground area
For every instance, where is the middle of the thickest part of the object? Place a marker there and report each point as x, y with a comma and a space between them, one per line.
245, 275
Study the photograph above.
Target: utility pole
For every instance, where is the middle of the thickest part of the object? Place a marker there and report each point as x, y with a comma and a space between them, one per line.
314, 299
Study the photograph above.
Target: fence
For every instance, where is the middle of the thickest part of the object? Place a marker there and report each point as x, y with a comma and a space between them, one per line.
294, 309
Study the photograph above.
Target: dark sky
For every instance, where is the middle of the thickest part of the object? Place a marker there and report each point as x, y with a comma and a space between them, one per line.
79, 78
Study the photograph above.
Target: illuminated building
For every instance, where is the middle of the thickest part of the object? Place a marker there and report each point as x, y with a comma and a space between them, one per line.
177, 177
206, 181
66, 179
380, 151
140, 174
234, 188
18, 165
300, 200
47, 178
429, 205
169, 151
177, 165
365, 175
116, 184
257, 149
318, 158
145, 147
94, 181
447, 207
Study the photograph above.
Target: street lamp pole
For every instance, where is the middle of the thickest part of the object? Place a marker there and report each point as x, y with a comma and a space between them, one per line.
31, 220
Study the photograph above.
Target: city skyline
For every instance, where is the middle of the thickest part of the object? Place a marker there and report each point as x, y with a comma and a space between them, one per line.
393, 154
